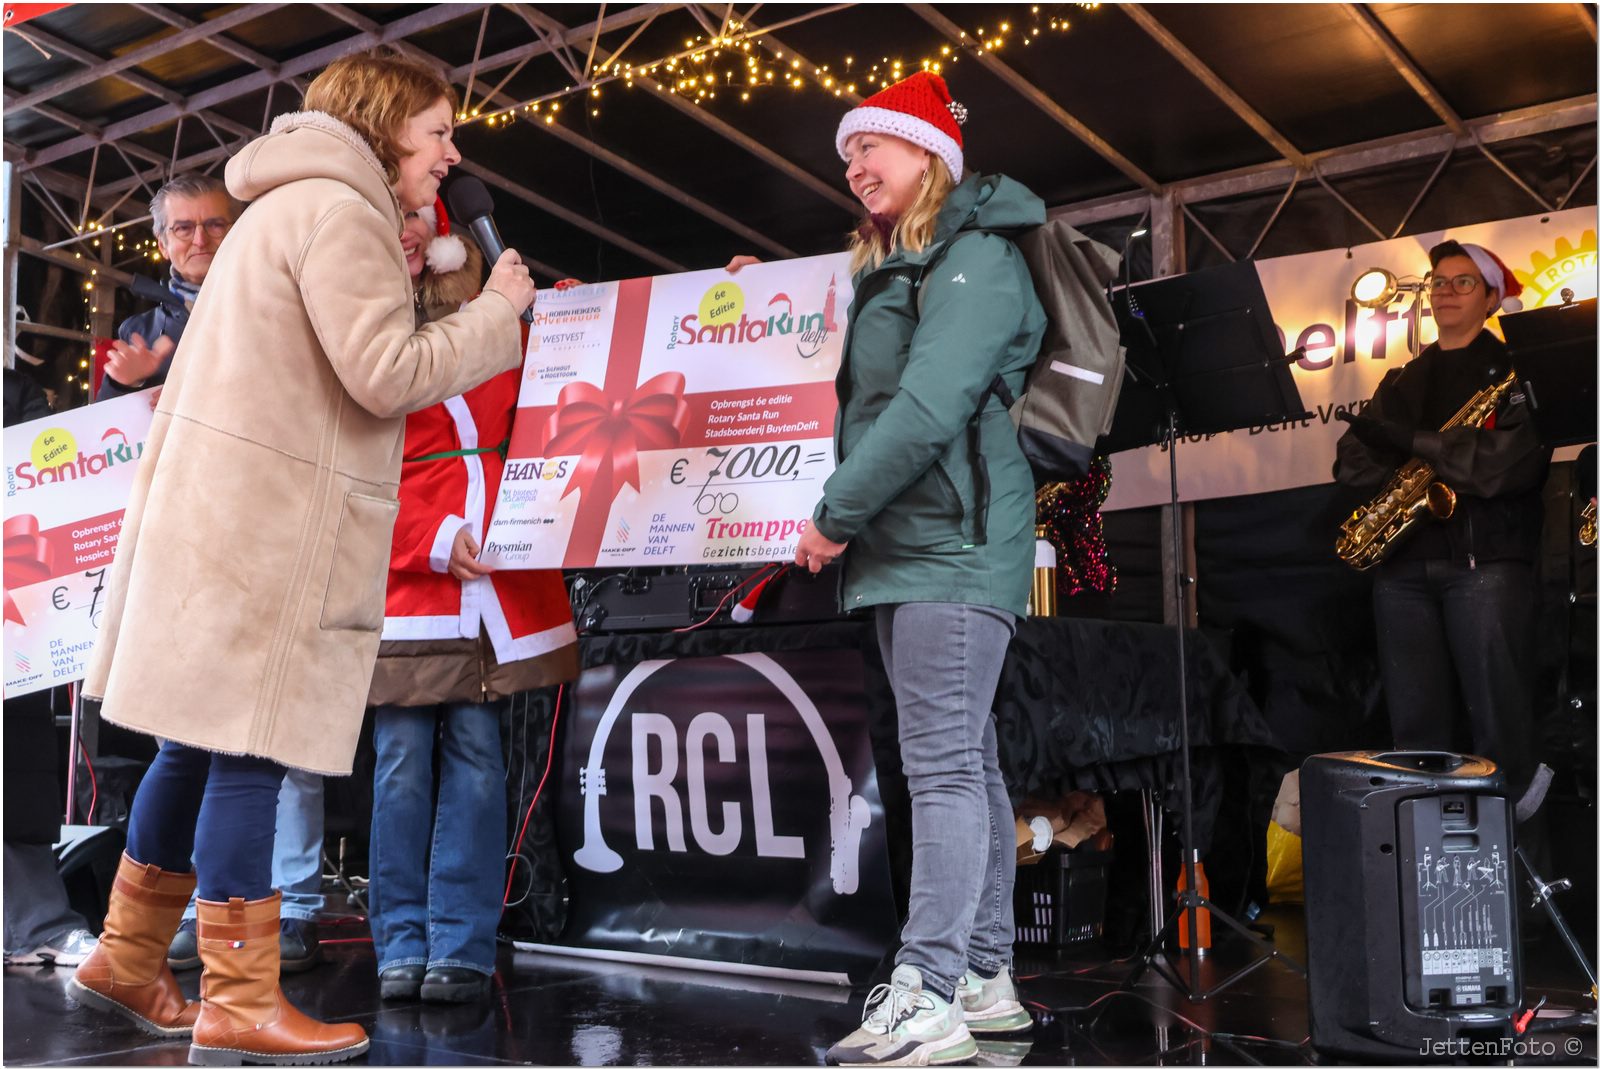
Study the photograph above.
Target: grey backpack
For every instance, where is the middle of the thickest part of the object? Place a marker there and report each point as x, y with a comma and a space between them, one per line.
1070, 394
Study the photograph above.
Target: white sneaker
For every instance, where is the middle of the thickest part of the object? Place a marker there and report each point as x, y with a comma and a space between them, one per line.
68, 951
905, 1025
991, 1006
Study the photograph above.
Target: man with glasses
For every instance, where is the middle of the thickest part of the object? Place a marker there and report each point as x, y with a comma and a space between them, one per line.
1455, 603
190, 216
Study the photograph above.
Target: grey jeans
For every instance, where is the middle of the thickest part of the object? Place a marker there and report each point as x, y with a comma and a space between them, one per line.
36, 910
944, 662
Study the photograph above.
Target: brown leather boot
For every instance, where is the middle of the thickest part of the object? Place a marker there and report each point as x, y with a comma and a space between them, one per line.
244, 1018
128, 973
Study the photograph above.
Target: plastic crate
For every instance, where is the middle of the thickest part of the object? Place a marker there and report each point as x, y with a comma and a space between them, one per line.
1061, 901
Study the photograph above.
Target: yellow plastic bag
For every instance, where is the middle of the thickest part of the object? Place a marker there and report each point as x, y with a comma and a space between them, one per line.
1286, 878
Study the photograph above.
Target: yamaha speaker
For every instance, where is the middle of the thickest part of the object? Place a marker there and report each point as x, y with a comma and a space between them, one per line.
1411, 918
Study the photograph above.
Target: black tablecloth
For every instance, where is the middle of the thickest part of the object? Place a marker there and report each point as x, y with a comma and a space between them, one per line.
1082, 704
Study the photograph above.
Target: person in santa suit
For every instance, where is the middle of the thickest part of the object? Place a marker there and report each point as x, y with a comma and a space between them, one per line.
458, 640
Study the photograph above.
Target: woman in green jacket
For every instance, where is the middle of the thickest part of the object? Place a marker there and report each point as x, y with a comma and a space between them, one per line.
938, 539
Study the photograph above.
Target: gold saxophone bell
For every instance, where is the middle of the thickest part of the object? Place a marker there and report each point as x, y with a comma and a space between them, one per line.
1441, 501
1586, 529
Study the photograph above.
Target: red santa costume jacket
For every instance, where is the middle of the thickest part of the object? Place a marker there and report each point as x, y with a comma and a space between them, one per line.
525, 613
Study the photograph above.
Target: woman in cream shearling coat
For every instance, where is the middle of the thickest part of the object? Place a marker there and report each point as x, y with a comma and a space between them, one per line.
247, 595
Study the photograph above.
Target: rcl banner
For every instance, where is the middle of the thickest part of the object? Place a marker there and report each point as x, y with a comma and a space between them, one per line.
725, 809
67, 481
1348, 351
684, 419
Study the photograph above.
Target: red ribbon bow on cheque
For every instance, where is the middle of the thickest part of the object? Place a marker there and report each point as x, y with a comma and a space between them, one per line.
609, 432
28, 559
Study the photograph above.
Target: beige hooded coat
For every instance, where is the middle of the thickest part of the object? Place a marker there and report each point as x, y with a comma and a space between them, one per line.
245, 603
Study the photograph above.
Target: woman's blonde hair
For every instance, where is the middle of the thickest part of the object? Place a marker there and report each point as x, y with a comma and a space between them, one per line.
869, 246
375, 93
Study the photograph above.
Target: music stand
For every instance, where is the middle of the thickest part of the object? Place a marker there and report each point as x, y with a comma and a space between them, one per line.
1552, 351
1203, 358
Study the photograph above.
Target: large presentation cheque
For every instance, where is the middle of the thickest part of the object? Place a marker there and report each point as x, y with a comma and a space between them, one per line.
68, 478
682, 419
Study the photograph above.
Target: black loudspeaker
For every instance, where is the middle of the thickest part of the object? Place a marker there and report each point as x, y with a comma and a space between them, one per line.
1411, 918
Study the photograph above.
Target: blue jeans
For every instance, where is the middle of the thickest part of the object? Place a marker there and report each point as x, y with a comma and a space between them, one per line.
218, 809
438, 871
944, 661
296, 847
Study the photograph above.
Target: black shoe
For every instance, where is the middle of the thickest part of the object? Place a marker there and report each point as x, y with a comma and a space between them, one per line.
451, 983
401, 981
299, 948
184, 953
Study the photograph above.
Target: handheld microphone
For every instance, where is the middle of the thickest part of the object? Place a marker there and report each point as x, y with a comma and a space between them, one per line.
470, 202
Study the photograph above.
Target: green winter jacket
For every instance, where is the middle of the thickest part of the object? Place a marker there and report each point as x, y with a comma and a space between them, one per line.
903, 494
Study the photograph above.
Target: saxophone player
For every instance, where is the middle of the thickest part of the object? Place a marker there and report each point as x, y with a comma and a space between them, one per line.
1455, 604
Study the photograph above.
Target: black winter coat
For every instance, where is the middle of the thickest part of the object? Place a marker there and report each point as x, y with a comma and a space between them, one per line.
1497, 473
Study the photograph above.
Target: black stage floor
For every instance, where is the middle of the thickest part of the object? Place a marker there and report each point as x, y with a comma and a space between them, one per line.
548, 1010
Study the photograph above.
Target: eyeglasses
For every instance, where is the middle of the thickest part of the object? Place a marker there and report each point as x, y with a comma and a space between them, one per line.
184, 229
1462, 284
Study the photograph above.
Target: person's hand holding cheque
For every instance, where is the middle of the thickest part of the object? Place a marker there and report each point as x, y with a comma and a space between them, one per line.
815, 551
464, 557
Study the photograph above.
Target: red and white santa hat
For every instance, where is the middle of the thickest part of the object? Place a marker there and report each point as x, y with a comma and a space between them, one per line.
1496, 276
917, 109
445, 252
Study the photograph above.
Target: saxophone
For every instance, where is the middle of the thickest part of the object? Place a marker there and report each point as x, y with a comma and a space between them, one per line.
1586, 529
1412, 494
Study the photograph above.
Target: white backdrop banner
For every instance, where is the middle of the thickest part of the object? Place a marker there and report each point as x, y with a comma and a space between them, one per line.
1348, 351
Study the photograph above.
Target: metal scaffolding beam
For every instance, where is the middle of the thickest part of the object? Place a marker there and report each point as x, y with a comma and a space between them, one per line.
1037, 97
220, 41
425, 19
1405, 66
779, 50
107, 67
716, 125
545, 204
1365, 156
1213, 82
578, 35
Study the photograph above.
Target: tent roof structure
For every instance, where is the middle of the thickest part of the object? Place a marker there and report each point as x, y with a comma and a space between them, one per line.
607, 170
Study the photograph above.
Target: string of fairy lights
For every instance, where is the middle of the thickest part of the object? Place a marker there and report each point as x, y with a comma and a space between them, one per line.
734, 62
144, 249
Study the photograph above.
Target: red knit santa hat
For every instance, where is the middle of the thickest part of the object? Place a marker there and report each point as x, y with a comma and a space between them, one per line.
917, 109
1496, 276
445, 252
